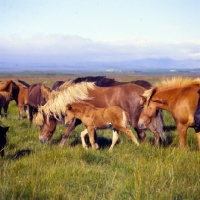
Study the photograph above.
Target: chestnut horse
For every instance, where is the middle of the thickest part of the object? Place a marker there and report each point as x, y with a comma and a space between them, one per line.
95, 118
21, 99
126, 96
180, 97
7, 90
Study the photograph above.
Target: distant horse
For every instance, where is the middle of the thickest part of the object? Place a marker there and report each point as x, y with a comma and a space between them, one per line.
36, 98
126, 96
94, 118
3, 139
103, 81
21, 99
180, 97
7, 88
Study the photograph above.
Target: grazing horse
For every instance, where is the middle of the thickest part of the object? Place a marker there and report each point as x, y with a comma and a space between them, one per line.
126, 96
36, 98
180, 97
95, 118
6, 94
3, 131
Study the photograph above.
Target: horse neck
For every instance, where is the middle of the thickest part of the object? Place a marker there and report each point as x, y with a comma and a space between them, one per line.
165, 98
81, 110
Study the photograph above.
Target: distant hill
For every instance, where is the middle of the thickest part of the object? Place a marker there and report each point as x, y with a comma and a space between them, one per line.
142, 65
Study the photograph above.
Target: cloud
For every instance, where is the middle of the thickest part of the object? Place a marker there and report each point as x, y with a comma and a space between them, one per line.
63, 48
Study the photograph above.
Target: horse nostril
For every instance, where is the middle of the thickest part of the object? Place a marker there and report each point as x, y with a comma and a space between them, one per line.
141, 125
42, 140
66, 124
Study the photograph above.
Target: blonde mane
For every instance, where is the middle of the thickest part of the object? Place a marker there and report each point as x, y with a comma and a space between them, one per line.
174, 82
58, 99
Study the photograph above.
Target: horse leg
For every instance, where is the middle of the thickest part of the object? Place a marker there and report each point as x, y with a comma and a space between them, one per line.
26, 111
5, 110
83, 134
91, 134
114, 139
129, 133
67, 132
141, 134
182, 130
156, 135
20, 111
197, 130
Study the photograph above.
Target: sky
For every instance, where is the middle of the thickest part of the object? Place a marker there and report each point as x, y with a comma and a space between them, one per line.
99, 31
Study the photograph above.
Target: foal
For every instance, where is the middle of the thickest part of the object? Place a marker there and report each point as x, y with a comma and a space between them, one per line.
99, 118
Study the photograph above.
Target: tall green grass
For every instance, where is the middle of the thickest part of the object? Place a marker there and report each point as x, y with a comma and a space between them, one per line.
48, 171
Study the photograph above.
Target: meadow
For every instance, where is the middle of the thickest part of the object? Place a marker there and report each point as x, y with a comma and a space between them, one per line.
31, 170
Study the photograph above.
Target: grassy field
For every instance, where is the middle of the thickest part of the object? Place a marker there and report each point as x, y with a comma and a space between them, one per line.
48, 171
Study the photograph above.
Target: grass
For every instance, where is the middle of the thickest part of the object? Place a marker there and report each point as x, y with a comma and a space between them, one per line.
48, 171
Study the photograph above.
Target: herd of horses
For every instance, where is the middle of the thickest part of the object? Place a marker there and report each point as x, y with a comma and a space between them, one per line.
100, 102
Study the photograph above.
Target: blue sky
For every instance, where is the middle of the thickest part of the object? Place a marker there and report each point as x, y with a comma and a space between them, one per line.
103, 30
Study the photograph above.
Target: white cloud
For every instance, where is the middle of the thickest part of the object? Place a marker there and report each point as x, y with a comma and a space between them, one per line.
85, 49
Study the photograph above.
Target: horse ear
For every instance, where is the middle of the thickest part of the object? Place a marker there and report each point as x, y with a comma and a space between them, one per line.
69, 107
142, 100
45, 91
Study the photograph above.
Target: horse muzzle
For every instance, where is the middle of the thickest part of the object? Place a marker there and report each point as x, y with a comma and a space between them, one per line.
141, 125
42, 140
67, 124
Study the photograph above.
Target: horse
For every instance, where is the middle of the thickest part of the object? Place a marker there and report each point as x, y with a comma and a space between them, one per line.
127, 96
94, 118
180, 97
7, 90
21, 99
3, 131
197, 113
102, 81
36, 98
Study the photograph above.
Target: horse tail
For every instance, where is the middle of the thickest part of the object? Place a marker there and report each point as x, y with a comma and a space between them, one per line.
158, 123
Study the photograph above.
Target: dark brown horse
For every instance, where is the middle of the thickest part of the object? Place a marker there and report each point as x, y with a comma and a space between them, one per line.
197, 113
3, 139
126, 96
103, 81
180, 97
36, 98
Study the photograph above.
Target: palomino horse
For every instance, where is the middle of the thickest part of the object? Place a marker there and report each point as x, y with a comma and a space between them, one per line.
95, 118
180, 97
126, 96
7, 88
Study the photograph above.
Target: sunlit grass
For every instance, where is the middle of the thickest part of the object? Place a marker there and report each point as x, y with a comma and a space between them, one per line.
48, 171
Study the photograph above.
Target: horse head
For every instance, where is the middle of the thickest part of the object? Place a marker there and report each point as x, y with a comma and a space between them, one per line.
69, 115
47, 126
149, 109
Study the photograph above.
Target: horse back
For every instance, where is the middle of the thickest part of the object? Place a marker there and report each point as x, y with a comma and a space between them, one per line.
35, 97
